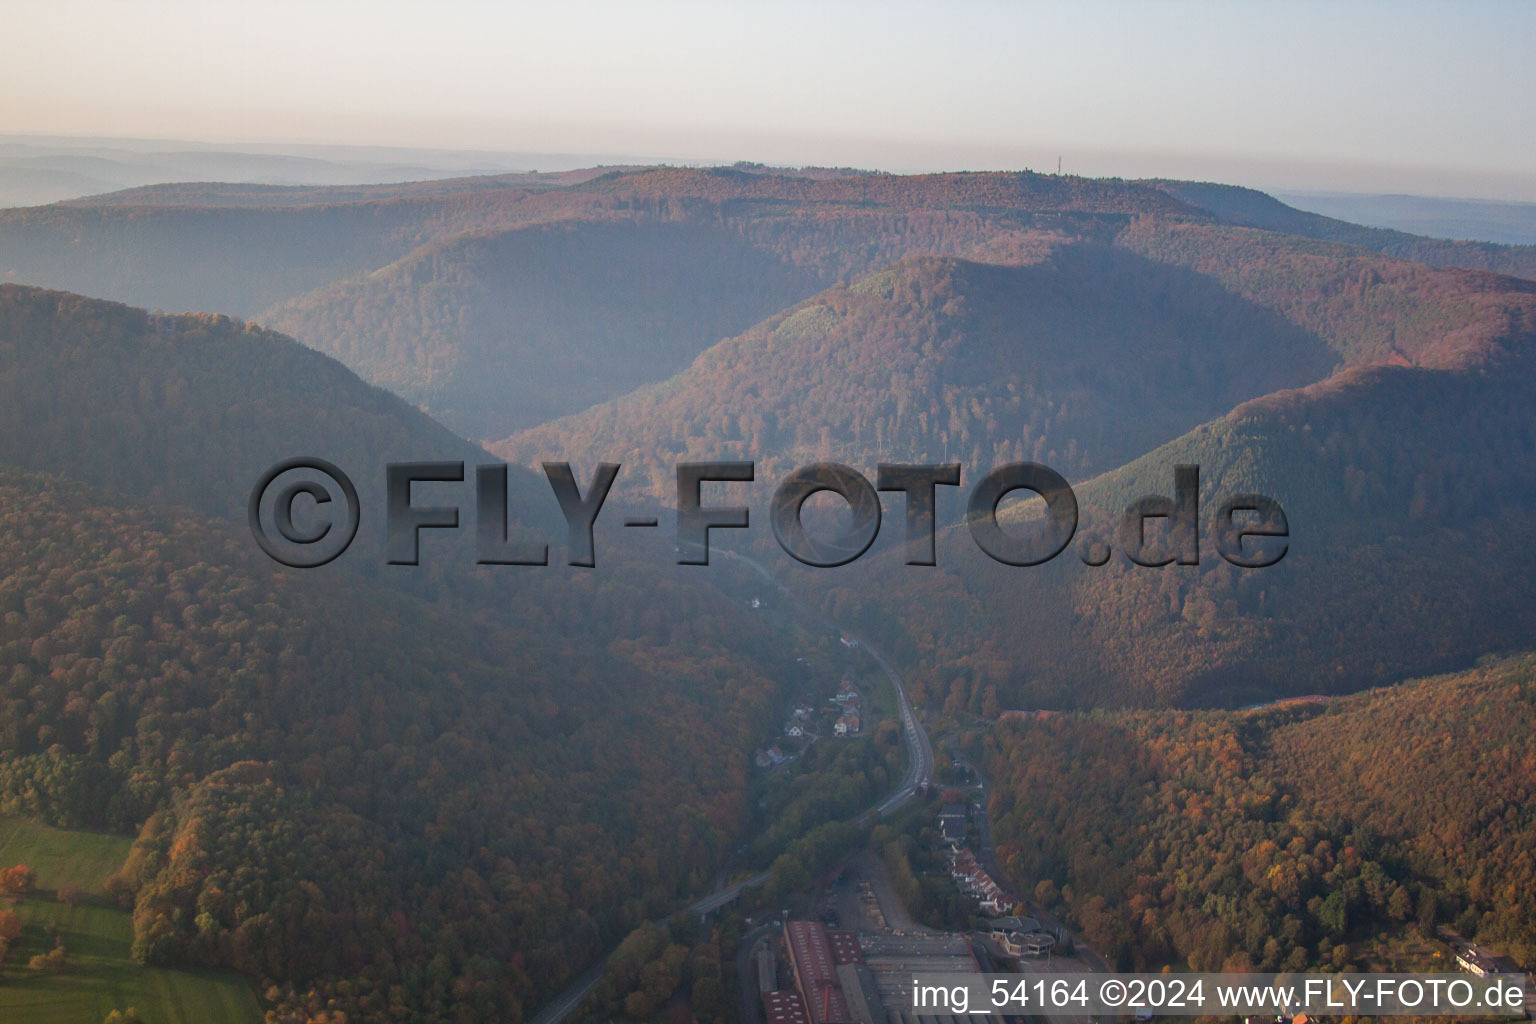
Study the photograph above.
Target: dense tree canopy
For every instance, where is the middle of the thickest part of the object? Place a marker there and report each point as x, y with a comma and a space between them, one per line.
1285, 838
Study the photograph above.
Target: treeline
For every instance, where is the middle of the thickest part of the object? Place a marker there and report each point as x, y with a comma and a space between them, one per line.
1011, 192
1286, 839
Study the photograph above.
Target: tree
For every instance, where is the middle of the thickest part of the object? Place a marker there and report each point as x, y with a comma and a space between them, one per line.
19, 880
51, 962
1400, 904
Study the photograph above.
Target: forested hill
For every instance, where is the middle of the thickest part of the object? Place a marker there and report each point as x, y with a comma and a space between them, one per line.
192, 410
498, 303
361, 798
185, 409
499, 307
1084, 359
218, 194
1081, 355
503, 329
240, 250
1404, 489
1304, 836
1248, 207
1367, 307
353, 797
1405, 471
497, 331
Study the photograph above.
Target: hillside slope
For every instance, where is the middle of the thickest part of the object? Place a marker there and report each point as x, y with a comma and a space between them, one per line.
1083, 358
1404, 491
504, 301
492, 332
345, 774
1248, 207
186, 409
1081, 355
338, 783
499, 330
1308, 836
242, 249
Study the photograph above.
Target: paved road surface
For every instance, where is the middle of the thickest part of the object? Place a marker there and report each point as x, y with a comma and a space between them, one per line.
920, 751
561, 1006
720, 897
746, 976
918, 774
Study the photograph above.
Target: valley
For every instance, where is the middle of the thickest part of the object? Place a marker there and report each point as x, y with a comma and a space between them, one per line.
446, 791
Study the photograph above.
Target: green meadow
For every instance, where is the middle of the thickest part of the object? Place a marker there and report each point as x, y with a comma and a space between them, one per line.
98, 976
59, 856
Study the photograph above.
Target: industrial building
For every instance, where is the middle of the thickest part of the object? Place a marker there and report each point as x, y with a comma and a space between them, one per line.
847, 978
814, 957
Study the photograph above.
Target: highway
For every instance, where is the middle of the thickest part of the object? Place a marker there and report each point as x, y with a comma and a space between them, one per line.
721, 897
919, 750
918, 774
561, 1006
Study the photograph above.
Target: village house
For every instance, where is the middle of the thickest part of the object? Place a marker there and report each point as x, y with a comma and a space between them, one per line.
1478, 962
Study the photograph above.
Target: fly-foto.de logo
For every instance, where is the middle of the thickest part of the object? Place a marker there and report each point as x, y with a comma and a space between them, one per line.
305, 522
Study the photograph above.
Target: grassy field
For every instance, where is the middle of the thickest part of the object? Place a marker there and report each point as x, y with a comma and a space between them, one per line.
99, 975
60, 857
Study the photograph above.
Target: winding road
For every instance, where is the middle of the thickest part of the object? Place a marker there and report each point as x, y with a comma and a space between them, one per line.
919, 751
918, 774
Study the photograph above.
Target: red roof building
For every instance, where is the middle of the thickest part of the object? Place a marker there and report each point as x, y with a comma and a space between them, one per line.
784, 1008
815, 964
845, 947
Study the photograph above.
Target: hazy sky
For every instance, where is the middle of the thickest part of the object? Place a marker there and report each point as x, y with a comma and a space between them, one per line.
1365, 96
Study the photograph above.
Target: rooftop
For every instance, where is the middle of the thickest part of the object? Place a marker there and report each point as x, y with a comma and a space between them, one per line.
784, 1008
816, 972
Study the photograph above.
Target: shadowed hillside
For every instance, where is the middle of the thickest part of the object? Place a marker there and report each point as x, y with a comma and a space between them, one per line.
500, 302
496, 332
333, 779
191, 410
243, 249
1406, 492
490, 333
1083, 359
